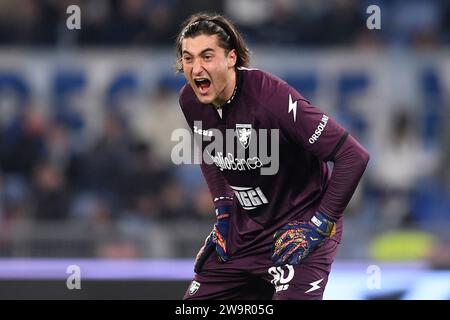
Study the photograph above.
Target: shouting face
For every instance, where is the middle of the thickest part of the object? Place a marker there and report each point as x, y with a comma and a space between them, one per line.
209, 69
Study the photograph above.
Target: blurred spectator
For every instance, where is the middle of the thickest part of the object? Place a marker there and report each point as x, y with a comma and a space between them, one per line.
283, 25
445, 22
23, 143
1, 197
415, 23
249, 12
155, 122
118, 249
343, 20
128, 23
15, 199
50, 193
58, 147
174, 202
395, 172
155, 22
444, 164
28, 22
88, 207
160, 21
367, 39
439, 255
432, 199
203, 204
144, 181
104, 166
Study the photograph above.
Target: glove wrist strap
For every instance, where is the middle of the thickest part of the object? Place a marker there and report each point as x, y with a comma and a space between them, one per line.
324, 224
223, 212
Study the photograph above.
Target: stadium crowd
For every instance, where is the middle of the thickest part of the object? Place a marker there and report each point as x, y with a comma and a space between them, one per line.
270, 22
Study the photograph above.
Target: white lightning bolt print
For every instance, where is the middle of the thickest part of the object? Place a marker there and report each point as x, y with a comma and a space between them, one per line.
292, 107
314, 285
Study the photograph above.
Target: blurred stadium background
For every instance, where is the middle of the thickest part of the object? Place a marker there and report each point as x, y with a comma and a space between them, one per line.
86, 117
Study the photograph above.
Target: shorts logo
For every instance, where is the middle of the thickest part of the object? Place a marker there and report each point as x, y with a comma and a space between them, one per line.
249, 197
194, 287
281, 283
314, 286
244, 133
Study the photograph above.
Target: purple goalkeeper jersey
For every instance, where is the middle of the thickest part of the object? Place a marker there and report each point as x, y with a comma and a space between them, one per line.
275, 168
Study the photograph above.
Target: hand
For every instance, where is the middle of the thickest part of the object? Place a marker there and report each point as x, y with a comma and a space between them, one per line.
297, 239
217, 239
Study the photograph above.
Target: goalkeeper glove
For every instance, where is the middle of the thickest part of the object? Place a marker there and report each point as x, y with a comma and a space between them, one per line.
295, 240
217, 239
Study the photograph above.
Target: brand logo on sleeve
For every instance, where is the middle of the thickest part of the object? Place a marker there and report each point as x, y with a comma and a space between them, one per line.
292, 107
320, 127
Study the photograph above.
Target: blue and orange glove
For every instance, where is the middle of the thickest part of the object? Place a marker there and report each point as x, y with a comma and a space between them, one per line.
295, 240
217, 239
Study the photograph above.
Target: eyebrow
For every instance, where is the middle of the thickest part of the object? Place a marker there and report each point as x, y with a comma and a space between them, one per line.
203, 51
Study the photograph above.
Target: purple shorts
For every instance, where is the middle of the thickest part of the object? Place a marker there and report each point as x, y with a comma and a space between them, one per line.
254, 277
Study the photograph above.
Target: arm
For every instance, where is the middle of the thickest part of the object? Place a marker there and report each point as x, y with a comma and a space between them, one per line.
220, 191
223, 199
350, 161
222, 196
320, 135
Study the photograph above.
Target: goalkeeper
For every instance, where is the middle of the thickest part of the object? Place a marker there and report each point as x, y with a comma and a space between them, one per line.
277, 231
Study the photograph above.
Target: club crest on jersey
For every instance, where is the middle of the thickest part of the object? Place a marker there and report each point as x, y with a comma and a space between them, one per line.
244, 132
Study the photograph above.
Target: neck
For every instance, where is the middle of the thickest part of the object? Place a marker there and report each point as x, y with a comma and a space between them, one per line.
228, 92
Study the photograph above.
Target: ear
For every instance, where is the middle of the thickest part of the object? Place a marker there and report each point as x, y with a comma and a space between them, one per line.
232, 58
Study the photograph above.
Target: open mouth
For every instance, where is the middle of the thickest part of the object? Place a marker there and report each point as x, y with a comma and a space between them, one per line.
202, 84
